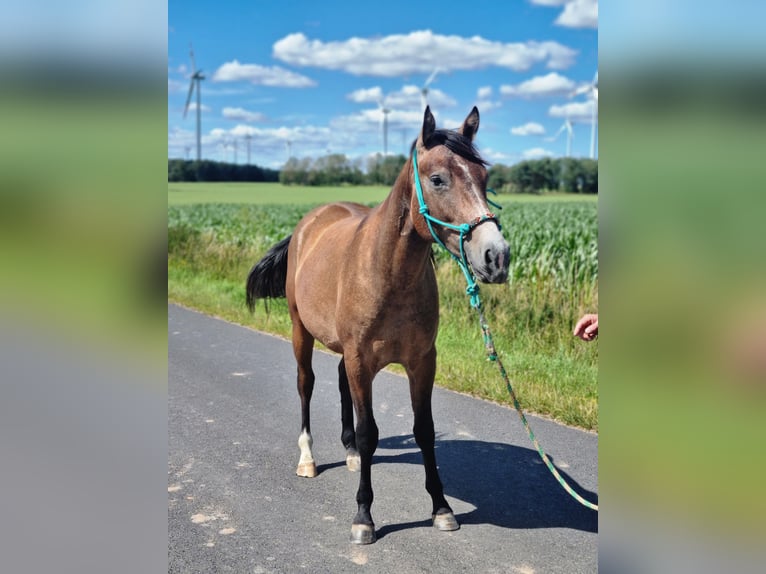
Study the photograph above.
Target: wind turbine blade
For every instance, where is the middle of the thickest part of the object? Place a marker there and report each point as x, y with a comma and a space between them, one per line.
191, 55
558, 133
432, 77
581, 90
188, 98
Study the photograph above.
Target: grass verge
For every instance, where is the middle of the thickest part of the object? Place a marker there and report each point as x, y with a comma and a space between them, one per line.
554, 280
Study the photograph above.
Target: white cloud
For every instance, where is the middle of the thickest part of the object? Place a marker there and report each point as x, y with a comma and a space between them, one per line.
273, 76
579, 14
370, 120
406, 98
484, 101
366, 95
575, 111
576, 13
488, 105
528, 129
552, 84
484, 93
268, 145
176, 87
536, 153
243, 115
419, 52
193, 107
495, 156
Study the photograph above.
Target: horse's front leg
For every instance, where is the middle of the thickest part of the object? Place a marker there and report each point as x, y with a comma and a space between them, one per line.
360, 384
421, 376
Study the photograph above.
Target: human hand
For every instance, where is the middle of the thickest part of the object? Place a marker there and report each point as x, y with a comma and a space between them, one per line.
587, 327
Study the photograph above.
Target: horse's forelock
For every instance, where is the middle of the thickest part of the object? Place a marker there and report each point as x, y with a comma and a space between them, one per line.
456, 143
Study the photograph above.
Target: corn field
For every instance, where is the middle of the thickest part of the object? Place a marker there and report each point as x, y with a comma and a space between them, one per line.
553, 280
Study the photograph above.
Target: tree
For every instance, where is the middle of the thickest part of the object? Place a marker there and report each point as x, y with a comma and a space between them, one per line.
205, 170
499, 178
384, 171
534, 176
580, 175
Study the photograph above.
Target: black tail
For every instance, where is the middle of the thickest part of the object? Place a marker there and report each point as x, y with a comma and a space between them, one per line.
267, 278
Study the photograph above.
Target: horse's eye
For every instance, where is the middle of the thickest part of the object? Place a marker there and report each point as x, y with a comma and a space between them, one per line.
437, 180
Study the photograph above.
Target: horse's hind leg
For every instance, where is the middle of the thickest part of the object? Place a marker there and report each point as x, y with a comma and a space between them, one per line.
348, 436
303, 347
421, 386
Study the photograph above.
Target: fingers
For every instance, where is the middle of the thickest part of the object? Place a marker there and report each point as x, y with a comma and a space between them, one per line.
587, 327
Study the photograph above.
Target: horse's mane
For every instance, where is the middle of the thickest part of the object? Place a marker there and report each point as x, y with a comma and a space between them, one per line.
456, 143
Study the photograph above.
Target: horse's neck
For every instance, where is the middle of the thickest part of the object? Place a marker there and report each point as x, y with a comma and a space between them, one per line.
397, 241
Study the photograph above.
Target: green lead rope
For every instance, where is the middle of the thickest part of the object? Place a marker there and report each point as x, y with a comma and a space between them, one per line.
489, 345
472, 290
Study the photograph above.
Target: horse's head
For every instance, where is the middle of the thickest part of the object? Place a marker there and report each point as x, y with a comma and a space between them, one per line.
451, 204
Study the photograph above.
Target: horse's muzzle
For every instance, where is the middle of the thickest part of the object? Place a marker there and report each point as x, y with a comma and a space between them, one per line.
494, 267
489, 254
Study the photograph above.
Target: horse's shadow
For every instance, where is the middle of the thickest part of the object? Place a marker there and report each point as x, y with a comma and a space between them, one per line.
509, 486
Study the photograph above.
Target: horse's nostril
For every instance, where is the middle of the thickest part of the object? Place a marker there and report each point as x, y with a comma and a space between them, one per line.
488, 257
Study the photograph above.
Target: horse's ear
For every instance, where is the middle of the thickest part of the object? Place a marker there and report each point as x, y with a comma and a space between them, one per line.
471, 124
429, 126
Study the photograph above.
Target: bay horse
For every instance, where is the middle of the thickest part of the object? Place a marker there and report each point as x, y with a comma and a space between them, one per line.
361, 281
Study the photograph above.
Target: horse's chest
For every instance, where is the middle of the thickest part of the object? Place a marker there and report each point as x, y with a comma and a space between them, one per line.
396, 325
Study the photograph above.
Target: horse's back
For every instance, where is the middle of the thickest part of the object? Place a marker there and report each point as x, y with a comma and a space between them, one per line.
327, 225
317, 250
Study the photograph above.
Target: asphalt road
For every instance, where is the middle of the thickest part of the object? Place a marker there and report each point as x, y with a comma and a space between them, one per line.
236, 505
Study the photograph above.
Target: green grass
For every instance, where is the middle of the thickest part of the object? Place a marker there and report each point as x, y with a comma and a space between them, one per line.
553, 280
187, 193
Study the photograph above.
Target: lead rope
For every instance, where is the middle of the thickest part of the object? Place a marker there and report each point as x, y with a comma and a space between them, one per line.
472, 290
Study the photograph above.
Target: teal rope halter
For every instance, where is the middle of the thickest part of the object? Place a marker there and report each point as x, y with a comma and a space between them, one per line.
473, 292
464, 229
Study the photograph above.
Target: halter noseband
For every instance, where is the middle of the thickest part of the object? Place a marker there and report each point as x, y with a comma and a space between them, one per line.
464, 229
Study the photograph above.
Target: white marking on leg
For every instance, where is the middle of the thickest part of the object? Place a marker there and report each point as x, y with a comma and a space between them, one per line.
306, 466
305, 442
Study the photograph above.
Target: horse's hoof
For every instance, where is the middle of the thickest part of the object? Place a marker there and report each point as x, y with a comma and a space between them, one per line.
446, 522
363, 533
307, 469
353, 462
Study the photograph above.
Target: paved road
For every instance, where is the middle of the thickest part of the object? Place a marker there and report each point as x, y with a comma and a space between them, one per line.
236, 505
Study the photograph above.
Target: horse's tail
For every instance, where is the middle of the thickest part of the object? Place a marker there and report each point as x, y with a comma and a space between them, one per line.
267, 278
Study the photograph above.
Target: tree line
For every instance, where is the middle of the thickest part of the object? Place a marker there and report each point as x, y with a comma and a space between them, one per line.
206, 170
337, 169
573, 175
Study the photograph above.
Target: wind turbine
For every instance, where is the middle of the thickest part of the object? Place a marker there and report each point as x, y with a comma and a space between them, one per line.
424, 89
196, 78
289, 145
385, 111
591, 89
567, 125
248, 137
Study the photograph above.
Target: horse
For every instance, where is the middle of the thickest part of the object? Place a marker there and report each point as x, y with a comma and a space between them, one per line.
361, 281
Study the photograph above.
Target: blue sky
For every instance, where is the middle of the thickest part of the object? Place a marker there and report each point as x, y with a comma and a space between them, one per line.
313, 73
